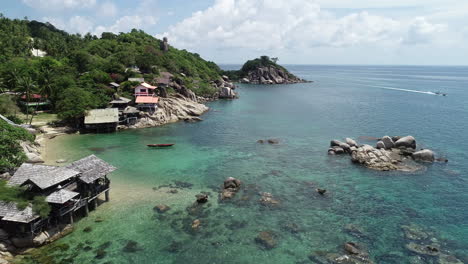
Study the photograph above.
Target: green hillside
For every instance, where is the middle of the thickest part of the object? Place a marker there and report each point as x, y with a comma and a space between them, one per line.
81, 67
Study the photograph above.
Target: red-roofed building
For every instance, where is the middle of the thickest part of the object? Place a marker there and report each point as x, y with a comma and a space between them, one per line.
146, 99
144, 89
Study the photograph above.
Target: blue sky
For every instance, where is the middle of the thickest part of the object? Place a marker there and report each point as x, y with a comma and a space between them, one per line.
415, 32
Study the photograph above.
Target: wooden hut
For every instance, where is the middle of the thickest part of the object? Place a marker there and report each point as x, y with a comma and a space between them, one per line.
67, 190
102, 120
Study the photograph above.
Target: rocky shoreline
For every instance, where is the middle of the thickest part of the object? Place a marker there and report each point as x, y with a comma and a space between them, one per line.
390, 153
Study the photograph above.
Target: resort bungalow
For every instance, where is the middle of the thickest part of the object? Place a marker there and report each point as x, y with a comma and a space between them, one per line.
67, 190
102, 120
120, 103
36, 101
114, 85
146, 99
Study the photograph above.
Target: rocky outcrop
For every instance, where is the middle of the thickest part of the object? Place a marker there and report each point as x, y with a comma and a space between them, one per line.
165, 45
425, 155
171, 110
230, 187
390, 153
271, 75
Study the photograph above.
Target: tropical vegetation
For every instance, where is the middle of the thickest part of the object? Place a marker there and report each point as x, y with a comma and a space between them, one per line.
75, 74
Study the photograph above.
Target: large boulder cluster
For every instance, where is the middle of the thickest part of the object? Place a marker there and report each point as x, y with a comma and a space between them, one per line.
270, 75
230, 187
225, 87
389, 153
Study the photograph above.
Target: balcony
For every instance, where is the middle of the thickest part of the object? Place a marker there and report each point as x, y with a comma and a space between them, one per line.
144, 94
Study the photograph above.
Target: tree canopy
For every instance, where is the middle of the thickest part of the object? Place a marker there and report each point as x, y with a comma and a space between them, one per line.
86, 64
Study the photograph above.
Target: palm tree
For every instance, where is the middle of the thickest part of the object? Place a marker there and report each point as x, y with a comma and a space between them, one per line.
27, 87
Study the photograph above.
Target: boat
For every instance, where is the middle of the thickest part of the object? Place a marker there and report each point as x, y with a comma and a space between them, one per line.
160, 145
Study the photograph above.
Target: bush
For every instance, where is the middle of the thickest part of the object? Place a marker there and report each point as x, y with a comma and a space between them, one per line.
8, 105
15, 119
11, 152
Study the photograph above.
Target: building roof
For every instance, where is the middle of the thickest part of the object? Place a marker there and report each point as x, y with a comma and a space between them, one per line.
146, 100
33, 96
114, 84
136, 79
91, 168
10, 212
130, 110
121, 100
102, 116
41, 175
61, 196
149, 86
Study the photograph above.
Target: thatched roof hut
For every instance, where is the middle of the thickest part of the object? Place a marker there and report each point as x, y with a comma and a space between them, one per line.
41, 175
91, 168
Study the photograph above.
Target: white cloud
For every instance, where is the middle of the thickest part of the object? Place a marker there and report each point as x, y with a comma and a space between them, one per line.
127, 23
420, 31
108, 9
76, 24
277, 24
59, 4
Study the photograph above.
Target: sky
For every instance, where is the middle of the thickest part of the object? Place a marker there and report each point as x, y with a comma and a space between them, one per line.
401, 32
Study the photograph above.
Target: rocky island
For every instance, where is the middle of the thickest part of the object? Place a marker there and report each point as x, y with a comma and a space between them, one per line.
264, 70
390, 153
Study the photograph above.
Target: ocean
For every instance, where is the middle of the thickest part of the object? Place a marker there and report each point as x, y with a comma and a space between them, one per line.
369, 208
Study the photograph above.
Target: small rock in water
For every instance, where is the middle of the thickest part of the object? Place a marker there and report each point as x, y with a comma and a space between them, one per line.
321, 191
352, 248
273, 141
266, 239
196, 224
61, 161
98, 220
100, 254
131, 247
260, 141
87, 229
429, 250
162, 208
267, 199
202, 198
173, 191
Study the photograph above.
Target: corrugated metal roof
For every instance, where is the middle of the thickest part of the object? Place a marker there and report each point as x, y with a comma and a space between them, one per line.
121, 100
61, 196
114, 84
136, 79
41, 175
146, 100
149, 86
91, 168
102, 116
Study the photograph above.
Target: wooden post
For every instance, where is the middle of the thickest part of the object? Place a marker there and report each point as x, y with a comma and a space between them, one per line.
71, 218
107, 196
86, 209
95, 203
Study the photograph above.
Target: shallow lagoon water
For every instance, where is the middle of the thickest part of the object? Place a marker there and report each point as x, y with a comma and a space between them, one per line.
344, 101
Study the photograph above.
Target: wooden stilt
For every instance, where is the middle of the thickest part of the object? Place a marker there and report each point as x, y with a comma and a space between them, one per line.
71, 218
107, 196
86, 209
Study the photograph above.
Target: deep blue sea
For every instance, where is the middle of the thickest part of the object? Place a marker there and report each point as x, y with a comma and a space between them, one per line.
367, 207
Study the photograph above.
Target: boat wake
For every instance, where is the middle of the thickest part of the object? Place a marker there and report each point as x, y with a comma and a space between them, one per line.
403, 90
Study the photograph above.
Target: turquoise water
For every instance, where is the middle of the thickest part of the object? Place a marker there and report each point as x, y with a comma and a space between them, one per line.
344, 101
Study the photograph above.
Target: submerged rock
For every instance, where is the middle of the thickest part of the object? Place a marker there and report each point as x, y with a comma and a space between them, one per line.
202, 198
352, 248
162, 208
266, 239
131, 247
414, 232
448, 259
321, 191
429, 250
267, 199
